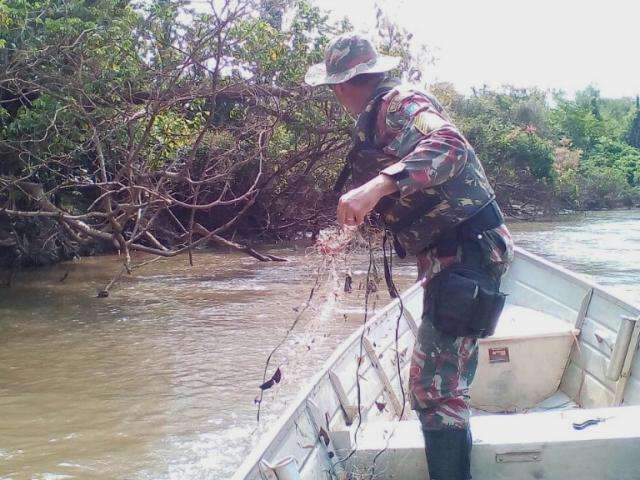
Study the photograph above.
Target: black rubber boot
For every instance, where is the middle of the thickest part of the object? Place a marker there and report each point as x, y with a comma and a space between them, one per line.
448, 453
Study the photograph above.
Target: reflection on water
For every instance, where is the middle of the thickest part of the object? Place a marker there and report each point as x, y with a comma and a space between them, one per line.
158, 381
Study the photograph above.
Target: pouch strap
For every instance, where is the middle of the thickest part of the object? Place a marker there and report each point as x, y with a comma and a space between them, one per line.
467, 232
345, 173
388, 278
488, 218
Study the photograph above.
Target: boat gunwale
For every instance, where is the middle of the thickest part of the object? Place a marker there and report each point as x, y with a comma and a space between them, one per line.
299, 404
581, 279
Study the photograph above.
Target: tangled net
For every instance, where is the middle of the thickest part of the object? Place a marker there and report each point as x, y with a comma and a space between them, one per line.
333, 253
333, 241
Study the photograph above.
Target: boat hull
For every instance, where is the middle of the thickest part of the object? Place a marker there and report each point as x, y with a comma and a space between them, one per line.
330, 435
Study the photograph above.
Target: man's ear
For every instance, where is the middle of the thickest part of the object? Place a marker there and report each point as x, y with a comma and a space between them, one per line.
339, 88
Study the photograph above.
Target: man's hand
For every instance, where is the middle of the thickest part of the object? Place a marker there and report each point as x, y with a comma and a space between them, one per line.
354, 205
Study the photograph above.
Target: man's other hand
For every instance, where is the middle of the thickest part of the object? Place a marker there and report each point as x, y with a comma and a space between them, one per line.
354, 205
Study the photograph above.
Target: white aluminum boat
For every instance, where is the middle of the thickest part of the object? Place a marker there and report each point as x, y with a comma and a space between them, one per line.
563, 356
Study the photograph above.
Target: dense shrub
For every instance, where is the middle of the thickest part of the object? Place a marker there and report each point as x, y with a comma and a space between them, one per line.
145, 126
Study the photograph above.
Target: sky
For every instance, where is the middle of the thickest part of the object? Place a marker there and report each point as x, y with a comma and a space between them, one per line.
552, 44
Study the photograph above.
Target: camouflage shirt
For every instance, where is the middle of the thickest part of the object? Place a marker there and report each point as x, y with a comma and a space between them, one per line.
412, 126
407, 135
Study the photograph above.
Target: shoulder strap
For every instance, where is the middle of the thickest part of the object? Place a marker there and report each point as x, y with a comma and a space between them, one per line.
365, 128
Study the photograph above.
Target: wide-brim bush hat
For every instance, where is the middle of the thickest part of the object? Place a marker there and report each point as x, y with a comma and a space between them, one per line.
347, 56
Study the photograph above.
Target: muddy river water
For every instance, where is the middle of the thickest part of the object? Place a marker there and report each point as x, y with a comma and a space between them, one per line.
158, 380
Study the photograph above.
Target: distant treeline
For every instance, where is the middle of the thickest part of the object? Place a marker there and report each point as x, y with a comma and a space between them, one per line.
545, 152
156, 127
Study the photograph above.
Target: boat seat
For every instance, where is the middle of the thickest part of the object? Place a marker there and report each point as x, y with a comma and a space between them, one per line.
523, 362
523, 446
517, 321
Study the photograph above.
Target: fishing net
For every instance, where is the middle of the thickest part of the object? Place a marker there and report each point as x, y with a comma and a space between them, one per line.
334, 257
346, 276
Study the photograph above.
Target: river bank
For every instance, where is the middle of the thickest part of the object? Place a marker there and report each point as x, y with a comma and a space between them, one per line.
158, 380
15, 257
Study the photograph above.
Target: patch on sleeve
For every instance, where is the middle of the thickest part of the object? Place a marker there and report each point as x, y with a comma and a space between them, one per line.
395, 103
427, 122
398, 97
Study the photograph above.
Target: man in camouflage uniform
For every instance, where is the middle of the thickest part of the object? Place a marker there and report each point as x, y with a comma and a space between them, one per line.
417, 170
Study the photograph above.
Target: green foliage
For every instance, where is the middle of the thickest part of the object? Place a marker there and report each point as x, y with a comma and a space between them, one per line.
617, 156
576, 148
604, 187
81, 54
163, 91
634, 131
589, 118
169, 105
531, 151
171, 132
275, 52
508, 130
576, 121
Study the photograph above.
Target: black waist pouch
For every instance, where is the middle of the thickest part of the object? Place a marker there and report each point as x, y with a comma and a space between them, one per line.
464, 302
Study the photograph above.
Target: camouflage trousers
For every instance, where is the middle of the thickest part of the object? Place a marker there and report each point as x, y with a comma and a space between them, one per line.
443, 366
